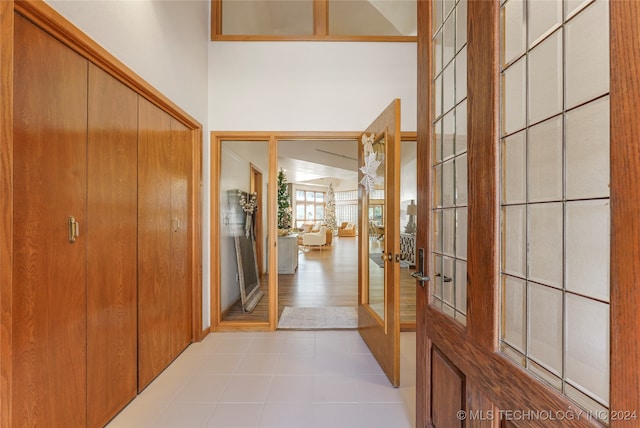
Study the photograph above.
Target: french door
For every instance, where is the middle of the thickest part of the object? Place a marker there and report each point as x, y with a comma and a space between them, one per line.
379, 270
529, 168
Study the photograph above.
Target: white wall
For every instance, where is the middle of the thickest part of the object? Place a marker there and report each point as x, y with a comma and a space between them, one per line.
165, 43
309, 86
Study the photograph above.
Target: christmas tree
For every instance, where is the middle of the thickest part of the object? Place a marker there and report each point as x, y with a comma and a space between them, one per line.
284, 203
330, 210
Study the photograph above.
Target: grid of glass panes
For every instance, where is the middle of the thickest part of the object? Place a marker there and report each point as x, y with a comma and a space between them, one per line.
309, 206
449, 155
347, 206
555, 213
347, 195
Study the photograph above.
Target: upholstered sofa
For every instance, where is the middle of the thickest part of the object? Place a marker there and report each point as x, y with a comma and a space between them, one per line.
347, 229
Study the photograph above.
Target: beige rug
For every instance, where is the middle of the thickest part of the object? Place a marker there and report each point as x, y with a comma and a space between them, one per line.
330, 317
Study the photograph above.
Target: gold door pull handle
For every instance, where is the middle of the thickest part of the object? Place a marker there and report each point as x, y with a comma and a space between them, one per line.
386, 257
176, 224
74, 229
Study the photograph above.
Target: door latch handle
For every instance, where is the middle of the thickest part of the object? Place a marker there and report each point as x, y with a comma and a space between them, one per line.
419, 276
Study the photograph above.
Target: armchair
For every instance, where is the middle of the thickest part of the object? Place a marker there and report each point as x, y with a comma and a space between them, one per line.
315, 239
347, 229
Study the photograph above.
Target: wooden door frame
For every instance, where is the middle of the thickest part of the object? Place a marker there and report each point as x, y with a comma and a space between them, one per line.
55, 24
493, 381
216, 137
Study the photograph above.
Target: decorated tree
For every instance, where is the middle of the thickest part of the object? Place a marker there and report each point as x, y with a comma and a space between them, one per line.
284, 203
330, 210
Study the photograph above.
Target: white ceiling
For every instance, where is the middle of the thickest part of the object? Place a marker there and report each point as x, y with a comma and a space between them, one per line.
319, 162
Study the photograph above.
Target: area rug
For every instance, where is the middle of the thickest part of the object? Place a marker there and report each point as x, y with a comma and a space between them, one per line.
377, 259
330, 317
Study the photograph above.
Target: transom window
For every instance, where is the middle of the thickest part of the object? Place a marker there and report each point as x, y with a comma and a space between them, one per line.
366, 20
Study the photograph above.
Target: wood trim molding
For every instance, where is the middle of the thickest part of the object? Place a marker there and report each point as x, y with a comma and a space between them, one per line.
59, 27
272, 231
423, 173
214, 232
6, 210
327, 38
483, 281
625, 208
320, 18
196, 235
216, 18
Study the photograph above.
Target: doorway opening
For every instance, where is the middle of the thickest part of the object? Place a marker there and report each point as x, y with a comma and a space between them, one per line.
322, 275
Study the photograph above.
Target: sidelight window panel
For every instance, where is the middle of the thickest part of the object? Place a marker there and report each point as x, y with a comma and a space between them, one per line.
554, 194
449, 159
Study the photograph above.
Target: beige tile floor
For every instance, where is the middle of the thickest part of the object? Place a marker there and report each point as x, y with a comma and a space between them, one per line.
320, 379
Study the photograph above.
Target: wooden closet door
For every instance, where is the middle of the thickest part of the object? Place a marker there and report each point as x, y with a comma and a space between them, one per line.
180, 233
111, 233
49, 272
154, 242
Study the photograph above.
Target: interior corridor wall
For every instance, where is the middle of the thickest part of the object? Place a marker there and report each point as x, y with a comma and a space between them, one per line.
165, 43
309, 86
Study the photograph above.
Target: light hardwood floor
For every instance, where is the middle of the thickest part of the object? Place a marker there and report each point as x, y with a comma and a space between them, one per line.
327, 277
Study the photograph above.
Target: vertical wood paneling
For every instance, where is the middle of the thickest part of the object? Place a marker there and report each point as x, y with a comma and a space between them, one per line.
423, 178
625, 207
180, 235
6, 208
482, 125
154, 242
447, 392
49, 272
112, 245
